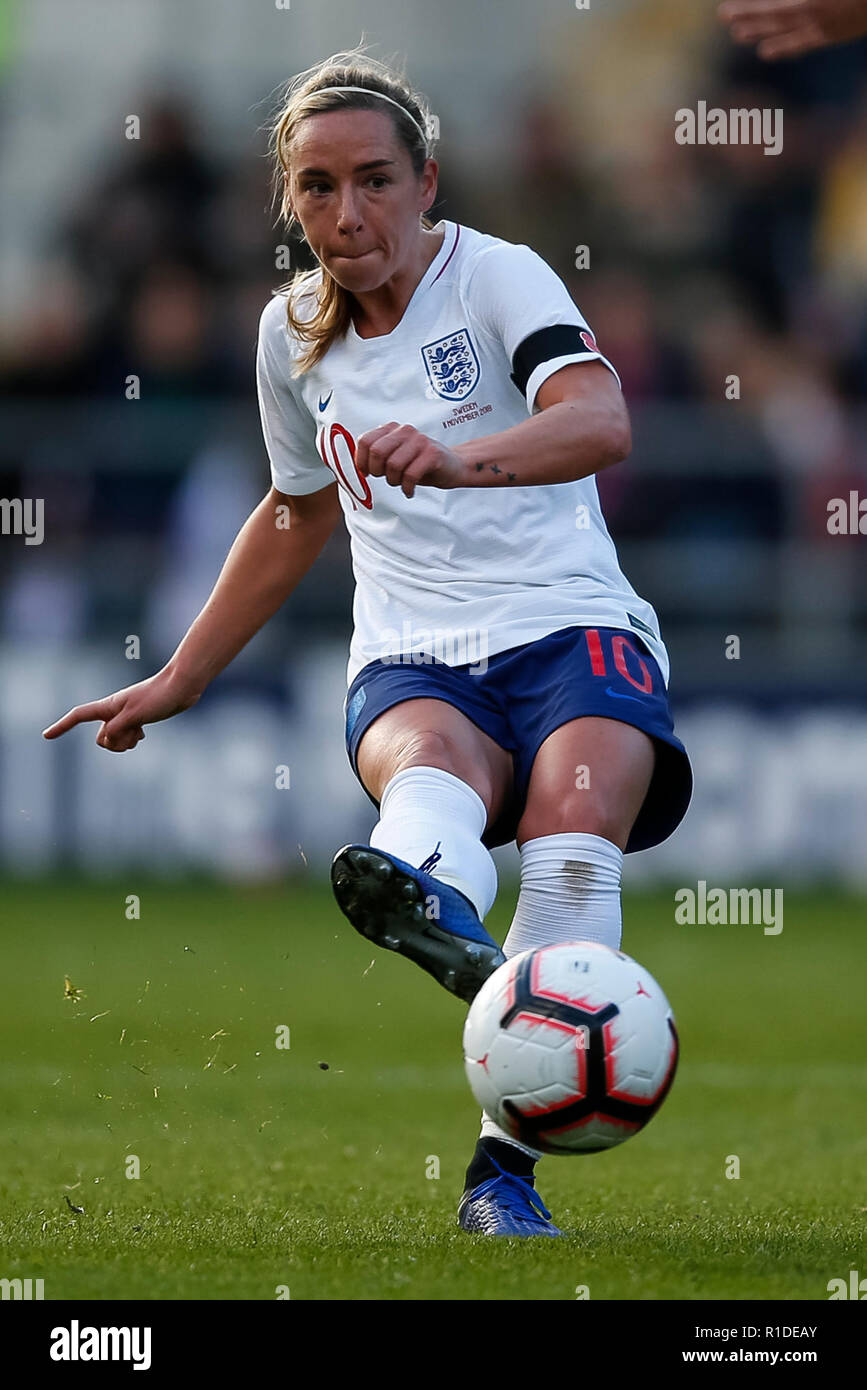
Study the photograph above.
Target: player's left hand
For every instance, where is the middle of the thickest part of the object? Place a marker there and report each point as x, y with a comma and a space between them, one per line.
406, 458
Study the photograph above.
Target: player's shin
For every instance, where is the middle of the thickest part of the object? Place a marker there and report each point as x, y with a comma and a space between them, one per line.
570, 891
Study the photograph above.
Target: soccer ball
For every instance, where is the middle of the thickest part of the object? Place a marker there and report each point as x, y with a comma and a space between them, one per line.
570, 1048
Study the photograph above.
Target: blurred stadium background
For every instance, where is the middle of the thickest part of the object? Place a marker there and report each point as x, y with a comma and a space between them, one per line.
156, 257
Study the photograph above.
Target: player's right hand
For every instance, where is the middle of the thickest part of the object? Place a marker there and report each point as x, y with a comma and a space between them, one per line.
123, 715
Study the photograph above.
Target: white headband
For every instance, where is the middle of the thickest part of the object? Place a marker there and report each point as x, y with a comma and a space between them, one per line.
369, 91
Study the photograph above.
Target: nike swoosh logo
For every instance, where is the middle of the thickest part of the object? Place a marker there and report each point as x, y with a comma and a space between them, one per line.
618, 696
323, 403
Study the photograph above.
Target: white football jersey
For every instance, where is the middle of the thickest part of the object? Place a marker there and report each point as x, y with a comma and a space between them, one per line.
462, 573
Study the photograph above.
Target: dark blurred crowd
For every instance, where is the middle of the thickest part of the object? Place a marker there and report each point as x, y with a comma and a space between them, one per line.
161, 269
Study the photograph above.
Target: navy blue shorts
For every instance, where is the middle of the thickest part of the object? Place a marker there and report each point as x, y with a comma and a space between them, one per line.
527, 692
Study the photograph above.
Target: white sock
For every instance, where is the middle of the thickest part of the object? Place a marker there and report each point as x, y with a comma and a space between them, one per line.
570, 891
425, 807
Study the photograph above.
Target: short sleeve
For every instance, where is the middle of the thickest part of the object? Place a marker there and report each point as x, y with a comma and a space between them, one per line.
519, 299
288, 427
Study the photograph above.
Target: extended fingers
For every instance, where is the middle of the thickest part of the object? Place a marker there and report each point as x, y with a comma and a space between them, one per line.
750, 21
791, 45
756, 11
778, 28
96, 709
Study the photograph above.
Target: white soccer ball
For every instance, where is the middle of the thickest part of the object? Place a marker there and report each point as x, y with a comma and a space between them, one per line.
570, 1048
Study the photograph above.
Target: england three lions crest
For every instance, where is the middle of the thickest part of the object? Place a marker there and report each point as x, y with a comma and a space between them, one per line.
452, 365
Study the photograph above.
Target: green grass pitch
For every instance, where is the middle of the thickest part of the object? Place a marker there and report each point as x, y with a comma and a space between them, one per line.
261, 1169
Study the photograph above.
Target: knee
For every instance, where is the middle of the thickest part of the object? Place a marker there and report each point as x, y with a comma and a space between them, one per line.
427, 748
574, 815
439, 748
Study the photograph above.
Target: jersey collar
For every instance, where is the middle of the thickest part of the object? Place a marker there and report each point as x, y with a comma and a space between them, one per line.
433, 272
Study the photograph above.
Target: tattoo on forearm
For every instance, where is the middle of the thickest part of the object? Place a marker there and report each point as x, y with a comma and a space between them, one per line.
495, 468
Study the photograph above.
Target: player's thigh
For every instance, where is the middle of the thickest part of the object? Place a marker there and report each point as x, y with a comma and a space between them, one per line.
432, 733
590, 776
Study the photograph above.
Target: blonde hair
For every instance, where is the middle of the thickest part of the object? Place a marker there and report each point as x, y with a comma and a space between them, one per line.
309, 94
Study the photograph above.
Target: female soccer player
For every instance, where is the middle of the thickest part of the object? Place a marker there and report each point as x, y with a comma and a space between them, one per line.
505, 680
